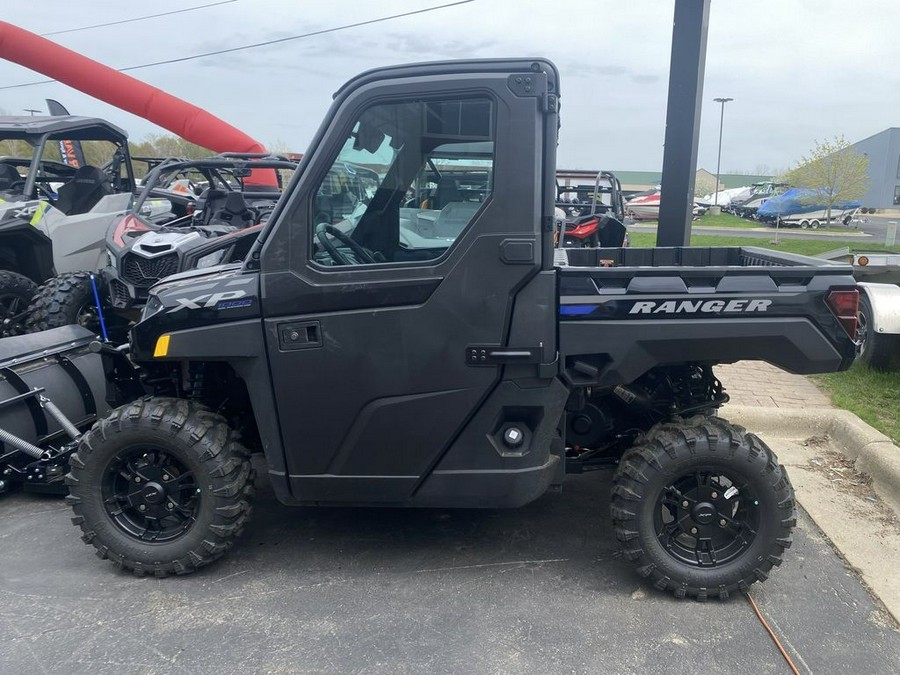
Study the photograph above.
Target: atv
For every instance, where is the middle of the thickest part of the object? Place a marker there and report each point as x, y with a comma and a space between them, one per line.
63, 180
215, 219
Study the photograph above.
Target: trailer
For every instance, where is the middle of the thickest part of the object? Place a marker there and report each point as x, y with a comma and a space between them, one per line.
879, 304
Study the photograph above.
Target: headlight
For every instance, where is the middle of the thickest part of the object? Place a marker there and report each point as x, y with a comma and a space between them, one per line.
111, 259
211, 259
154, 304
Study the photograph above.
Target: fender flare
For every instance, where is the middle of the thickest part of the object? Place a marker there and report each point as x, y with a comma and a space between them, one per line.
885, 301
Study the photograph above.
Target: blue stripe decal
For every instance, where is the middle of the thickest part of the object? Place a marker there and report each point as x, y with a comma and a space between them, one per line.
576, 310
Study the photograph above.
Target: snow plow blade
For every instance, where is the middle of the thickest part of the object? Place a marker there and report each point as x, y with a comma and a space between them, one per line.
42, 375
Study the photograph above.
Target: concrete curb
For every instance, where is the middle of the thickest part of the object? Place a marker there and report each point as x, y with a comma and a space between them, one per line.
873, 453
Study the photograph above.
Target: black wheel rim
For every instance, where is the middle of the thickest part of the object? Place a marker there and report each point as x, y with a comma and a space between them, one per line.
150, 494
12, 311
707, 518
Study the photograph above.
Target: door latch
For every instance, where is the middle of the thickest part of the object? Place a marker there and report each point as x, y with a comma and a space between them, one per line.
304, 335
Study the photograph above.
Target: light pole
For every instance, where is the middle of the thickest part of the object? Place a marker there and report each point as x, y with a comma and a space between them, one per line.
723, 101
31, 110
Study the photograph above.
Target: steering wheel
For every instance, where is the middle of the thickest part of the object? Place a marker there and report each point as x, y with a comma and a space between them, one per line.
324, 229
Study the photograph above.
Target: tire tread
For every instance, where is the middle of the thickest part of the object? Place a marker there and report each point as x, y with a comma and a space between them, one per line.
213, 442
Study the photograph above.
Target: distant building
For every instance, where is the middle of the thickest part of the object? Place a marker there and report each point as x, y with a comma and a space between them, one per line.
883, 151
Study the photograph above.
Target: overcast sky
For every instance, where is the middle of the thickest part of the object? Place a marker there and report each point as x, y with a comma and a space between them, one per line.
799, 70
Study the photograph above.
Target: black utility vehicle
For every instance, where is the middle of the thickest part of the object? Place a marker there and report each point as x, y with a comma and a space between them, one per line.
460, 366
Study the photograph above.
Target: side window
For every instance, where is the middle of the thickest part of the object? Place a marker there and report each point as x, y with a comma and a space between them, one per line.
407, 182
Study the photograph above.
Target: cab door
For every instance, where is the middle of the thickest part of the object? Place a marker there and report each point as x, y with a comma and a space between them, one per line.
410, 228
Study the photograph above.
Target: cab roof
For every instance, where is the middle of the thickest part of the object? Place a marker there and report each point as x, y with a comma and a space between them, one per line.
72, 127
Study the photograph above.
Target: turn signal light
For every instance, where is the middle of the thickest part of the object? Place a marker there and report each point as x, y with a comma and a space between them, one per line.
845, 307
162, 346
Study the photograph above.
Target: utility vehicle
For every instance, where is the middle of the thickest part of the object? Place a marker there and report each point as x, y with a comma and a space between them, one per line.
878, 274
55, 205
586, 211
214, 218
461, 367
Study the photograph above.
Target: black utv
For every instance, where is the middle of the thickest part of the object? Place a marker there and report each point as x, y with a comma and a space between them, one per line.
464, 366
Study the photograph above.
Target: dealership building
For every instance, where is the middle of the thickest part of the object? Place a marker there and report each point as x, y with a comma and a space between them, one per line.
883, 151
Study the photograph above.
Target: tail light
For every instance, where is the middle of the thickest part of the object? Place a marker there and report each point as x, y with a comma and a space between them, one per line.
127, 225
845, 307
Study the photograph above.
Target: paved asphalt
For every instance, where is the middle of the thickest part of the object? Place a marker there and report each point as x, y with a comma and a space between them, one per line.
540, 589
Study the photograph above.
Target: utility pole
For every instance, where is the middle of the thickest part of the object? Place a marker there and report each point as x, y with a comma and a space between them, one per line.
723, 101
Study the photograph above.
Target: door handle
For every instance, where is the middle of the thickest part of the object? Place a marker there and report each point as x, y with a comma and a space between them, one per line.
302, 335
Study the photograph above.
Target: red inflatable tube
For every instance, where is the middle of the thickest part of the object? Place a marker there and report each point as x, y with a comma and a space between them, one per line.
123, 91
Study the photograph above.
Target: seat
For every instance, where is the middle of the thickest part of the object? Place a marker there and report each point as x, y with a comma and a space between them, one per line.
454, 218
611, 232
233, 212
9, 178
210, 202
87, 186
447, 191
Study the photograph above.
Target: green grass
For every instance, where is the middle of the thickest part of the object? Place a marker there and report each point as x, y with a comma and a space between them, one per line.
801, 246
869, 394
726, 220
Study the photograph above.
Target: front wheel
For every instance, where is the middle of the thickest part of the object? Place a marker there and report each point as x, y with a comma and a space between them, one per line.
63, 301
160, 486
702, 508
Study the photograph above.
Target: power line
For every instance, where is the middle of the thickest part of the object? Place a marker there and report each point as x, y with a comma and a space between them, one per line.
264, 44
138, 18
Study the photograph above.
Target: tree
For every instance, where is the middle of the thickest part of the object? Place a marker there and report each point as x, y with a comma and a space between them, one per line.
165, 145
833, 172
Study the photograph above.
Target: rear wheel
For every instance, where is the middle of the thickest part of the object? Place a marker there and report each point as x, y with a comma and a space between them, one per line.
62, 301
814, 224
804, 224
160, 486
702, 508
16, 292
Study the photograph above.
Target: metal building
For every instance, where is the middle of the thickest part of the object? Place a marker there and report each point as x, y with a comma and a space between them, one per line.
883, 151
